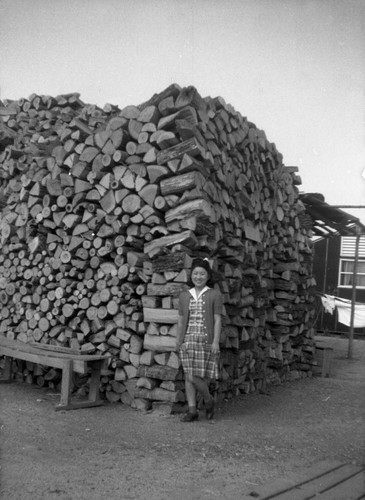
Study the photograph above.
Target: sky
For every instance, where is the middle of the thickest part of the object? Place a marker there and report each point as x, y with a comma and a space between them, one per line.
295, 68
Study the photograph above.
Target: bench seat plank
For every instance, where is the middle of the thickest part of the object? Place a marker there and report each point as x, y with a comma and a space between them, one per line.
79, 366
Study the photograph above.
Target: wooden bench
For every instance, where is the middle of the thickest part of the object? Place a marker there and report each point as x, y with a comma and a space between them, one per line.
66, 359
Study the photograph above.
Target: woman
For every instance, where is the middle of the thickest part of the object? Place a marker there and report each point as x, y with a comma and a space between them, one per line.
199, 328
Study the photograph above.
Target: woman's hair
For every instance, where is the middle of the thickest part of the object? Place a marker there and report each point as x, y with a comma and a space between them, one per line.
204, 263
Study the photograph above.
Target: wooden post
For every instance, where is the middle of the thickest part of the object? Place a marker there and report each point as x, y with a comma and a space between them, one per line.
8, 370
327, 360
95, 381
66, 383
324, 284
353, 298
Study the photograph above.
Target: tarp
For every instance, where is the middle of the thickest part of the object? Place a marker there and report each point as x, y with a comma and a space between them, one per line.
343, 306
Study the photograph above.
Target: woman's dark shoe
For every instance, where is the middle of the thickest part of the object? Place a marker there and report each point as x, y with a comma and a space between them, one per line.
190, 417
209, 410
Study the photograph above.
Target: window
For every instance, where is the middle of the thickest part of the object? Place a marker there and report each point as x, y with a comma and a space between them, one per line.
347, 273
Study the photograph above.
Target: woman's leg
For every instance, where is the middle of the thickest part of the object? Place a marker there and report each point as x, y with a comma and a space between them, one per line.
202, 385
190, 392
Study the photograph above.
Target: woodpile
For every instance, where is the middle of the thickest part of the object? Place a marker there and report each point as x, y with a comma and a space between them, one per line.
102, 211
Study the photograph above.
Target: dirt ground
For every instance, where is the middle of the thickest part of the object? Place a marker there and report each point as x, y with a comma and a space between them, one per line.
117, 453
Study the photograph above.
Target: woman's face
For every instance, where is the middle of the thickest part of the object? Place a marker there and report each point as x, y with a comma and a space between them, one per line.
199, 277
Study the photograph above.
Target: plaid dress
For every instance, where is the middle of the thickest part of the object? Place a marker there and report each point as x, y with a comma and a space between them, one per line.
195, 353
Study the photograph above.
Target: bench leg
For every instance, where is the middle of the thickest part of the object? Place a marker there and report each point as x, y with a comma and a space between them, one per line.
95, 381
66, 385
94, 399
8, 370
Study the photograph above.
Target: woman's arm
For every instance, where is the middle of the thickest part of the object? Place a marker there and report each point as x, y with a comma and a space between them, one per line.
217, 332
180, 334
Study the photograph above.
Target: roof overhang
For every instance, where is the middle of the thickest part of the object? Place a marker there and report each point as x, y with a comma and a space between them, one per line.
327, 220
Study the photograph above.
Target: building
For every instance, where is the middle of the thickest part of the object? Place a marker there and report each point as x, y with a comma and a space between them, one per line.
339, 249
333, 269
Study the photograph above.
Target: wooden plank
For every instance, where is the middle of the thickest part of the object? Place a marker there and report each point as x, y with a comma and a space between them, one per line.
166, 290
95, 381
80, 404
168, 316
181, 183
351, 489
191, 147
320, 484
158, 372
40, 359
159, 394
51, 358
55, 348
186, 237
52, 351
282, 484
161, 343
7, 370
325, 354
198, 207
66, 383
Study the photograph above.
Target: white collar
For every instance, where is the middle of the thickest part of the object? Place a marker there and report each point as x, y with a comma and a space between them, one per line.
194, 294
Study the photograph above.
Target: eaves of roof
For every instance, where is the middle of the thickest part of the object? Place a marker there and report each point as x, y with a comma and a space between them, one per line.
327, 220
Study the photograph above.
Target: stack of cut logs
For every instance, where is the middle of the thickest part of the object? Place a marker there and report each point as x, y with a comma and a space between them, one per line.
102, 211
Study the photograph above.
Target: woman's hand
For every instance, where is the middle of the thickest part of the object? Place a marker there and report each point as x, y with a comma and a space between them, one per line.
215, 347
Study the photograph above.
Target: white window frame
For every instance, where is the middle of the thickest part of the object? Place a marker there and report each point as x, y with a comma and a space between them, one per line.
341, 273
